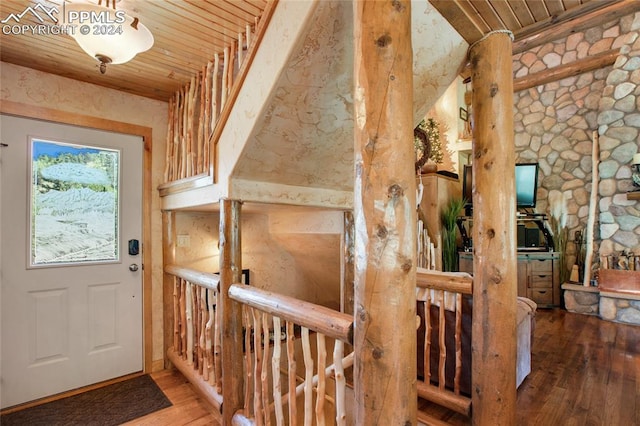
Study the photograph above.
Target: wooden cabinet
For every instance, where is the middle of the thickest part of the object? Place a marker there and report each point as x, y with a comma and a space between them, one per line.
438, 191
538, 276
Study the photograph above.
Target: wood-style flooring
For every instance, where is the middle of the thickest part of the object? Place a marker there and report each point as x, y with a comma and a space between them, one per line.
188, 408
585, 371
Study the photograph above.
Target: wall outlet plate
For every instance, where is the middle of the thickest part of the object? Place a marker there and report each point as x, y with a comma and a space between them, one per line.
183, 240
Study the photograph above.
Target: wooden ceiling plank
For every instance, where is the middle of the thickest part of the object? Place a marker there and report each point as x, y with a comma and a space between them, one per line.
555, 7
470, 11
577, 19
246, 7
64, 47
165, 15
212, 14
489, 14
231, 13
506, 14
523, 12
463, 22
156, 73
538, 10
158, 18
570, 4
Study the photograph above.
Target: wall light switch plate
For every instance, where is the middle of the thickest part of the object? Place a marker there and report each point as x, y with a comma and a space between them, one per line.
184, 240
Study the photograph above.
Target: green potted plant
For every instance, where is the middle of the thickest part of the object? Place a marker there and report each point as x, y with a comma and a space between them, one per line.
449, 218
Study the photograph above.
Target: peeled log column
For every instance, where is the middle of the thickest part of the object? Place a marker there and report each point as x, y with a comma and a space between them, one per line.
384, 212
231, 317
494, 216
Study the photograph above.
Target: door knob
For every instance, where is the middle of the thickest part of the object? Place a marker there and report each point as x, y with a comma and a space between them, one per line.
133, 267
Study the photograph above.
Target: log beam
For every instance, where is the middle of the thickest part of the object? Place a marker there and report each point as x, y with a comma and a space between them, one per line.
384, 215
589, 15
230, 272
571, 69
494, 213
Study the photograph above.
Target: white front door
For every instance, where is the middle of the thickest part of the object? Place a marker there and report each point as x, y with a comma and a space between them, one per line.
71, 297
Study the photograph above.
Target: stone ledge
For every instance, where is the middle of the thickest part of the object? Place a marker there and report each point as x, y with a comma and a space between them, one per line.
580, 287
616, 295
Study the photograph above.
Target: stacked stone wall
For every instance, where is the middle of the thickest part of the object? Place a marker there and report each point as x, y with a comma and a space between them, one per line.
554, 124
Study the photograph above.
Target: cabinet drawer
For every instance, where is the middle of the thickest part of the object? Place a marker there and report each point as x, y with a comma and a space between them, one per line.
541, 265
542, 280
541, 296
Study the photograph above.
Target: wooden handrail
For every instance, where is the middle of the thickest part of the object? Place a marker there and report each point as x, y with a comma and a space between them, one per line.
456, 282
314, 317
202, 279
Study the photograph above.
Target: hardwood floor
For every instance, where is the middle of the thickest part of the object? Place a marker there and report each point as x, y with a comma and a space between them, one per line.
187, 409
585, 372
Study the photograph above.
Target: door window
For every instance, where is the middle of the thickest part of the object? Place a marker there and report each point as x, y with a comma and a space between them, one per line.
74, 203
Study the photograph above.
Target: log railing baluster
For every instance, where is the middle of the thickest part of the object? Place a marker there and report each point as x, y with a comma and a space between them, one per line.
195, 330
275, 371
308, 378
183, 318
196, 109
320, 394
458, 340
341, 384
248, 360
264, 378
258, 408
303, 317
291, 373
441, 341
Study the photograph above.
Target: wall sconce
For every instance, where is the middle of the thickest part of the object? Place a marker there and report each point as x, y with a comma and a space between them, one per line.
114, 43
635, 170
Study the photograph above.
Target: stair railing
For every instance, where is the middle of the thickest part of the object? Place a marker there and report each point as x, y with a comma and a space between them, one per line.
278, 333
196, 350
440, 295
199, 110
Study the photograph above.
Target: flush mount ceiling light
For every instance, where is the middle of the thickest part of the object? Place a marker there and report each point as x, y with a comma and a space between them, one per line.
108, 35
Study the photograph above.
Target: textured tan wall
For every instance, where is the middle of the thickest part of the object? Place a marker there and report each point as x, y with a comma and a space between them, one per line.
289, 252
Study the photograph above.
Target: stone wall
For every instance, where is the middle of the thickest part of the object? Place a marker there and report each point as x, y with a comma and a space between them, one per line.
554, 124
620, 309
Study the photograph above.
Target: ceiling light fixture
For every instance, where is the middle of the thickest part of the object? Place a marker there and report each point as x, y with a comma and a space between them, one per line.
109, 36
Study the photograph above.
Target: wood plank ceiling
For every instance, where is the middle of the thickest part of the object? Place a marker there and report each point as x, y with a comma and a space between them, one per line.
524, 18
189, 32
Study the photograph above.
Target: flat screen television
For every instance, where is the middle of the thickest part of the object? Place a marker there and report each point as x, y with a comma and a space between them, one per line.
526, 185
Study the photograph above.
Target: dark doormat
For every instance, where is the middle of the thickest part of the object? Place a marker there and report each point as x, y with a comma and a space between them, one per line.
111, 405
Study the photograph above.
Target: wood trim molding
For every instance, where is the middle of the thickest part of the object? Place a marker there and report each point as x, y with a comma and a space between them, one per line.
571, 69
64, 117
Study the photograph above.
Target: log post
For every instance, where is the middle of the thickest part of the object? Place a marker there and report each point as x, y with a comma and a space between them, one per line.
231, 315
593, 201
494, 236
384, 214
168, 258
